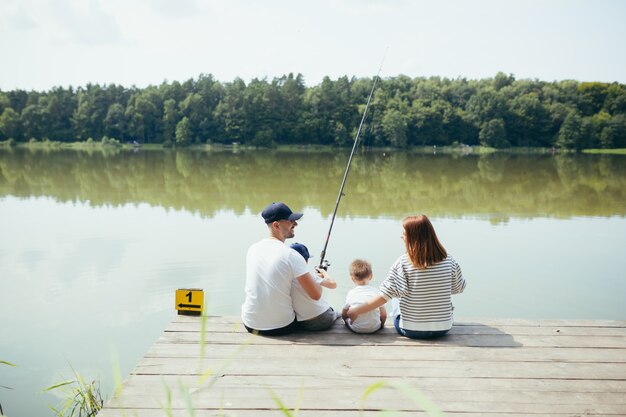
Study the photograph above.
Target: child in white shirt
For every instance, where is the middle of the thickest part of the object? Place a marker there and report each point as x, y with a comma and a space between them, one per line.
312, 314
361, 275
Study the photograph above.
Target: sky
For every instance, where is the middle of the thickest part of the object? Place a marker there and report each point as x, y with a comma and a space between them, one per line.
51, 43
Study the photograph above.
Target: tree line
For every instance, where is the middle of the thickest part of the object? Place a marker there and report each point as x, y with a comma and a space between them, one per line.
498, 112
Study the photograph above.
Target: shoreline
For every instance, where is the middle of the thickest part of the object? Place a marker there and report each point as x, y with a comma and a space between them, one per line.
461, 149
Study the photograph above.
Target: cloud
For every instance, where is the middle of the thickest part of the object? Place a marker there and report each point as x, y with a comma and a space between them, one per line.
20, 21
84, 22
176, 9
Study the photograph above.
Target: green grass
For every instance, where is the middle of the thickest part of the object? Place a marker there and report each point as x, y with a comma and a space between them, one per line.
4, 386
80, 397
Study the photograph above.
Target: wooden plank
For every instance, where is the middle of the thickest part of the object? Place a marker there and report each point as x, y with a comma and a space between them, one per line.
458, 329
140, 391
392, 338
458, 322
227, 380
386, 368
151, 412
370, 352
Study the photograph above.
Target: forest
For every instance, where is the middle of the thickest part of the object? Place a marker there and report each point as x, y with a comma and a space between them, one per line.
497, 112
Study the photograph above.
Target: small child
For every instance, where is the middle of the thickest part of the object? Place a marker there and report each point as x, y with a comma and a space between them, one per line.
324, 280
361, 275
312, 314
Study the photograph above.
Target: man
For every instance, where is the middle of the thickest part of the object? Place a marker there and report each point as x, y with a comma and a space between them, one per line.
271, 266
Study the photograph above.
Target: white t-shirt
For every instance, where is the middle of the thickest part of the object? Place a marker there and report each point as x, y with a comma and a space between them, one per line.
271, 267
305, 307
367, 322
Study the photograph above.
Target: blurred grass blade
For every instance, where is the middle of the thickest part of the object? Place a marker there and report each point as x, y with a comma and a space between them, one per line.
418, 398
368, 391
203, 335
59, 385
279, 402
299, 402
187, 398
216, 374
117, 373
167, 409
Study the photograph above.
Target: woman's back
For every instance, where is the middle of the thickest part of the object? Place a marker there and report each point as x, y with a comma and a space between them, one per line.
424, 294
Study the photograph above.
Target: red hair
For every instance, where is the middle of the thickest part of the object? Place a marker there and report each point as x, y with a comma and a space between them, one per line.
422, 245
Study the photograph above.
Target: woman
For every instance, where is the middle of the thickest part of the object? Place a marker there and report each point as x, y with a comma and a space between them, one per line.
423, 279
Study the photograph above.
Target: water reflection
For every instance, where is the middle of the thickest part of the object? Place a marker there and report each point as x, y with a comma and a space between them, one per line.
495, 186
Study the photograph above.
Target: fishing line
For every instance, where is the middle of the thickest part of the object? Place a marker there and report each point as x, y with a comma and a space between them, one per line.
324, 264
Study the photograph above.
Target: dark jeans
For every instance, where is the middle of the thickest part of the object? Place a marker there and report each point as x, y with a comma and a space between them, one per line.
322, 322
290, 328
415, 334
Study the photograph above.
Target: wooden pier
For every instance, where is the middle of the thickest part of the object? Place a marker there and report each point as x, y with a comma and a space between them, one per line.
510, 368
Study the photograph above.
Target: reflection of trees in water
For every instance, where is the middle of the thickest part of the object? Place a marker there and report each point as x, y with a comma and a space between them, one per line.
496, 186
492, 167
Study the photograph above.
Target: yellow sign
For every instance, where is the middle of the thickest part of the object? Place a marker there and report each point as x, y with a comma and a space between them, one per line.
189, 300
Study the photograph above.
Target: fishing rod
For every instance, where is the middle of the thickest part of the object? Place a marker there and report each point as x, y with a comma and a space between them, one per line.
324, 264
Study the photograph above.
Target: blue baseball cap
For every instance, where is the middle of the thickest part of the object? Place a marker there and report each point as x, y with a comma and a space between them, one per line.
302, 250
279, 211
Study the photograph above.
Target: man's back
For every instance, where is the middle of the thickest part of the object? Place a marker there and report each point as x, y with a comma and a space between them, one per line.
270, 268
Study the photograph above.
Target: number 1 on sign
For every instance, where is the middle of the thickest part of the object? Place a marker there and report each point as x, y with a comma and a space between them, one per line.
189, 300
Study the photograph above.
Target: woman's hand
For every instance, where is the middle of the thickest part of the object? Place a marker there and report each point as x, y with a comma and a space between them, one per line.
344, 312
349, 313
352, 312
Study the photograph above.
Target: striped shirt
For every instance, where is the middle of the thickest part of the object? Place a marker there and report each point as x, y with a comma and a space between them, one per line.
424, 294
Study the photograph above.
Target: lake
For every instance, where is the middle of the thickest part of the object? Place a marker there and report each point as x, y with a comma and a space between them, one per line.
93, 245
